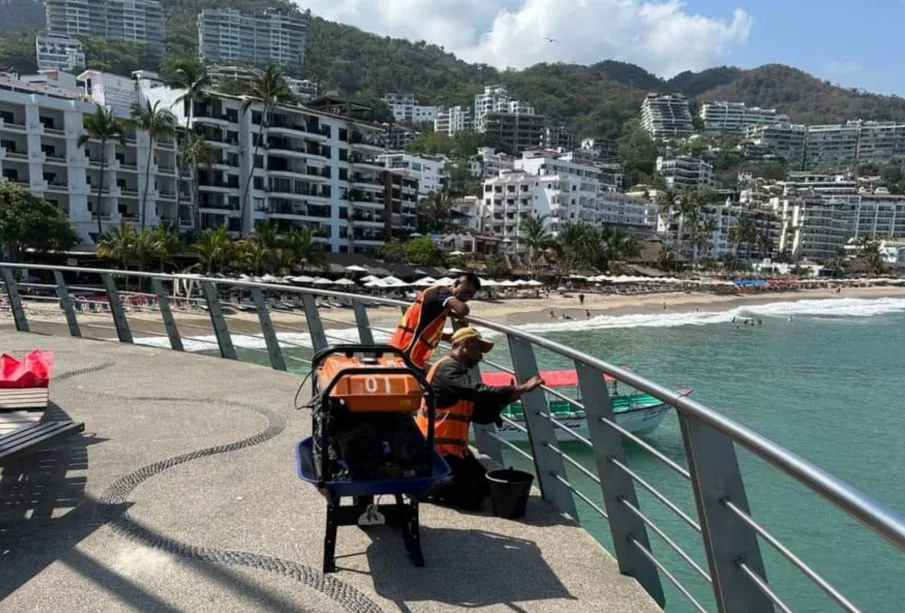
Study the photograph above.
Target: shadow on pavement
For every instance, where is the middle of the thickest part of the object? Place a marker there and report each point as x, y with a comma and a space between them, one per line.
43, 508
464, 568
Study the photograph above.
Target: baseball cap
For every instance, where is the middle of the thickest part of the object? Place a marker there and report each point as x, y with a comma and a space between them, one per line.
463, 334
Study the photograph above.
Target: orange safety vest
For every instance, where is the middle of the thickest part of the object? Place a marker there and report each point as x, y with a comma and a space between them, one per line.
417, 338
450, 423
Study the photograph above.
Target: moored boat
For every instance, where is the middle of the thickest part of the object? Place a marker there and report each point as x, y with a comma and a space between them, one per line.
637, 412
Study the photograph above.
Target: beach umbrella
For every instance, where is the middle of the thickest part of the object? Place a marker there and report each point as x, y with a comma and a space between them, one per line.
356, 268
445, 281
321, 281
270, 279
394, 282
426, 281
534, 283
520, 282
345, 282
455, 271
488, 283
508, 283
368, 278
302, 279
374, 283
456, 253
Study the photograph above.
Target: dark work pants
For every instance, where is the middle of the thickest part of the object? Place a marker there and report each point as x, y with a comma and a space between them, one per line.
468, 488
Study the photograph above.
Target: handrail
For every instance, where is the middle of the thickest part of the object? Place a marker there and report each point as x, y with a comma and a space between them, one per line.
708, 436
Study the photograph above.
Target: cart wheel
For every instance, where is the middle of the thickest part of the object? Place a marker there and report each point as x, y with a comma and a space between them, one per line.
412, 530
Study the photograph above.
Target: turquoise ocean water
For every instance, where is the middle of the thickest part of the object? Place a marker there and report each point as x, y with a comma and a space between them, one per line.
829, 385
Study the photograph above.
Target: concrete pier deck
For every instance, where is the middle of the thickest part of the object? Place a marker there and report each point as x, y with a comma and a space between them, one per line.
182, 495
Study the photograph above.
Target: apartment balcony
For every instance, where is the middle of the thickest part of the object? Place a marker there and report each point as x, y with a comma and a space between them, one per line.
367, 143
366, 222
128, 167
51, 158
128, 192
286, 150
48, 131
218, 187
367, 183
16, 155
77, 160
12, 126
162, 194
35, 127
59, 187
222, 120
37, 185
366, 163
163, 169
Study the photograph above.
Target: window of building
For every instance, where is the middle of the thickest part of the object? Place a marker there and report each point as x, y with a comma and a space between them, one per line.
258, 182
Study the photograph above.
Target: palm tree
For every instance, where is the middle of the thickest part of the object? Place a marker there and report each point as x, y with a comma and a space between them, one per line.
215, 249
195, 152
735, 238
193, 78
299, 247
572, 246
156, 123
118, 244
168, 243
101, 126
434, 212
667, 258
256, 256
610, 243
267, 89
535, 236
747, 232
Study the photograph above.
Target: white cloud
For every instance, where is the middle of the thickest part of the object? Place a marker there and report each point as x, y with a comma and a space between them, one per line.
660, 35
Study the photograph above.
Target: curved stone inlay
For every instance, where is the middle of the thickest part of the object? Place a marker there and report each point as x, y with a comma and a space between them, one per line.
114, 496
81, 371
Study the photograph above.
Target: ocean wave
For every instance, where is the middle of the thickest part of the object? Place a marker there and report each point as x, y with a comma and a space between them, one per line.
835, 308
827, 309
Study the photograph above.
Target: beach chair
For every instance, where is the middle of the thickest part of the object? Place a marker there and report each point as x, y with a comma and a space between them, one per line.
381, 381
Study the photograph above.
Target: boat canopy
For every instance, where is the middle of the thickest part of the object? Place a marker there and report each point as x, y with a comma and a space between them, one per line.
552, 378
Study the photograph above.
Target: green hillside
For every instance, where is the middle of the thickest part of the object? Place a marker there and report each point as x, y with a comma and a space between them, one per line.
593, 100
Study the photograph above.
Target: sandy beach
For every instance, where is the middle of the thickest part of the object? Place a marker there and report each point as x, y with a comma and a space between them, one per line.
45, 317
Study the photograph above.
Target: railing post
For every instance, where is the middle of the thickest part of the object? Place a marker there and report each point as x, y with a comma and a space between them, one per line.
315, 325
541, 432
716, 477
66, 304
224, 340
270, 338
163, 303
616, 485
116, 308
15, 301
365, 336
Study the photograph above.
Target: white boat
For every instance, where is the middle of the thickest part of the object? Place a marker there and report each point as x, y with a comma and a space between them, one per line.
637, 413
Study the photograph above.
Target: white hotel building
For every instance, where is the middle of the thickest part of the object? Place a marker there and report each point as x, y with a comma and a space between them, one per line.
406, 108
539, 184
314, 169
666, 116
726, 116
40, 126
685, 172
454, 119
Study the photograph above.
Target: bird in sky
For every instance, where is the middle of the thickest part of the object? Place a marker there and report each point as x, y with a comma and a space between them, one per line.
551, 40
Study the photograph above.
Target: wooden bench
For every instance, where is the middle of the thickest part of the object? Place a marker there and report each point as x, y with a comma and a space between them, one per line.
36, 436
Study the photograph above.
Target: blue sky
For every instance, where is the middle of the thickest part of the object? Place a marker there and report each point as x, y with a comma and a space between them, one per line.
858, 44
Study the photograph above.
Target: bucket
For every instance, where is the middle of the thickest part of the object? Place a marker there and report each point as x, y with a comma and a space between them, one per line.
509, 490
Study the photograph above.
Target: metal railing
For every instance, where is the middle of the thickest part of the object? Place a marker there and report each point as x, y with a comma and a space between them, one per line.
723, 520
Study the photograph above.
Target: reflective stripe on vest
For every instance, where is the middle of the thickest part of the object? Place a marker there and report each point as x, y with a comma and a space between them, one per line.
450, 423
419, 347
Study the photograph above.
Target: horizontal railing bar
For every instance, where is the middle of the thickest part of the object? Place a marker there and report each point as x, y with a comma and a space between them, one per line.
511, 446
647, 554
558, 424
565, 456
675, 547
500, 366
581, 495
867, 510
41, 285
650, 488
791, 557
514, 424
763, 587
648, 447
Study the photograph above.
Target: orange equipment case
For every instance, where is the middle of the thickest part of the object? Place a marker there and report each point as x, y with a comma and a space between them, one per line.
364, 393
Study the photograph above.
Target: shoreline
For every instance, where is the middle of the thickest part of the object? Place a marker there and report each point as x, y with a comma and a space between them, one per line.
45, 318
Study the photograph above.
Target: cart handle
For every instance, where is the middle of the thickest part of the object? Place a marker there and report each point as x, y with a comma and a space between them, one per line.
349, 350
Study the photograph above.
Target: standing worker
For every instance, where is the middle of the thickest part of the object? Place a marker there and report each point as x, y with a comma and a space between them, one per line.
461, 399
421, 328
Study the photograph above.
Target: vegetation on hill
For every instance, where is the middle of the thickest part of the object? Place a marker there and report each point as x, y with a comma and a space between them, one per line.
592, 100
21, 16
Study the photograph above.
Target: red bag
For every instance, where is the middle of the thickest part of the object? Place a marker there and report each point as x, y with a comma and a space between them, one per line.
32, 371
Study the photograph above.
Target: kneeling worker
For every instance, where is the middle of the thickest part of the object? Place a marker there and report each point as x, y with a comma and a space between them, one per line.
462, 399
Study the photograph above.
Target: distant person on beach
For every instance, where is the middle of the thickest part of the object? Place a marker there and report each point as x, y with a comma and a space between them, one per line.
421, 328
587, 314
552, 314
581, 299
